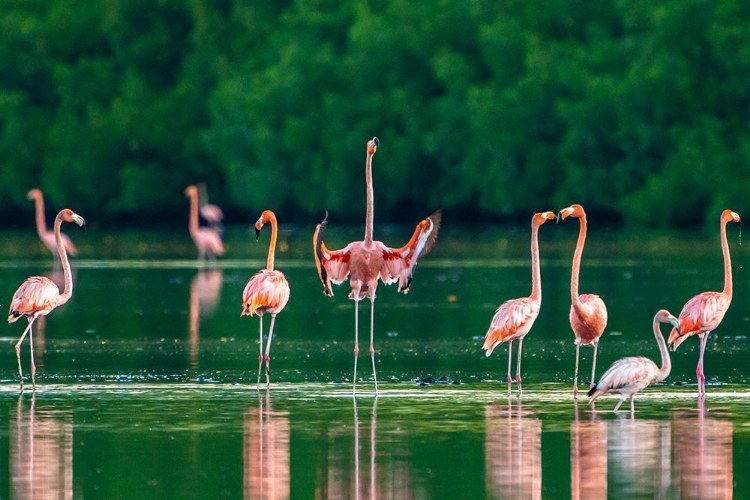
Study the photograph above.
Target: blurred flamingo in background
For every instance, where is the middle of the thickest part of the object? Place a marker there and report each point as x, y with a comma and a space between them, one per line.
704, 312
588, 314
212, 213
48, 237
514, 318
628, 376
206, 239
38, 295
267, 291
368, 260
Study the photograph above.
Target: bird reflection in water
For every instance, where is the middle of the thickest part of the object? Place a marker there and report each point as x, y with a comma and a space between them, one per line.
640, 456
205, 292
266, 452
513, 452
588, 458
41, 452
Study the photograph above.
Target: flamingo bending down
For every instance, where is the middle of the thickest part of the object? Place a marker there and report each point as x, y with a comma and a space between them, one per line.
514, 318
628, 376
368, 260
212, 213
206, 239
266, 291
48, 237
703, 313
588, 314
38, 295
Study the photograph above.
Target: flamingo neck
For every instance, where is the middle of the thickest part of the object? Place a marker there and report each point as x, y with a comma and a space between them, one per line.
41, 224
68, 287
727, 261
369, 219
536, 275
272, 245
577, 261
666, 361
193, 221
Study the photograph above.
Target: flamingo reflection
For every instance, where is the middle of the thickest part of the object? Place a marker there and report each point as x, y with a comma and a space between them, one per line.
205, 292
513, 452
41, 453
588, 458
266, 452
640, 456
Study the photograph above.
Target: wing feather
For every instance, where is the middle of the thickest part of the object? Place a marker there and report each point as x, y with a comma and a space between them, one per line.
512, 320
332, 265
36, 295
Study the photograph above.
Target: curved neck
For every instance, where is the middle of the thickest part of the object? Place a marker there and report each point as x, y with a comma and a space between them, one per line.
536, 275
68, 289
193, 222
41, 224
370, 203
666, 362
727, 261
272, 245
577, 261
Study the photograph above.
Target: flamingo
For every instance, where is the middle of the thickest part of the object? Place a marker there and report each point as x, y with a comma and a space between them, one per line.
39, 295
628, 376
206, 239
212, 213
368, 260
588, 314
704, 312
48, 237
266, 291
514, 318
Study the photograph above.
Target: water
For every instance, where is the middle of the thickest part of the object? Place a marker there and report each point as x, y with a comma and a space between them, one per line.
147, 377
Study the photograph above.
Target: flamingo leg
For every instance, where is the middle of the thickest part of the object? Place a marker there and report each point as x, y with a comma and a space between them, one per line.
575, 376
18, 350
268, 353
33, 366
510, 356
632, 404
518, 366
593, 367
372, 340
260, 347
699, 370
356, 341
617, 407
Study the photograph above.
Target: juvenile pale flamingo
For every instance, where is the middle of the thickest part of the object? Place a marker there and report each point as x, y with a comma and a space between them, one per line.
628, 376
703, 313
47, 237
212, 213
38, 295
514, 318
206, 239
267, 291
368, 260
588, 314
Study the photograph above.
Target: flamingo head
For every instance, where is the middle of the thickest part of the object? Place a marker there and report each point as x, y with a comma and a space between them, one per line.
575, 210
542, 217
33, 194
664, 316
728, 215
191, 191
266, 216
68, 215
372, 145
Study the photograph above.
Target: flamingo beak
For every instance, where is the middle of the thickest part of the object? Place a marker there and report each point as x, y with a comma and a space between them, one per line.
257, 234
675, 323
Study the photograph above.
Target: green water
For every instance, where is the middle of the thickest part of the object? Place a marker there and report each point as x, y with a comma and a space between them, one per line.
146, 382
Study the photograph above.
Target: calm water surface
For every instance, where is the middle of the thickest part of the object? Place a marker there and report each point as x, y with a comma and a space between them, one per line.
147, 377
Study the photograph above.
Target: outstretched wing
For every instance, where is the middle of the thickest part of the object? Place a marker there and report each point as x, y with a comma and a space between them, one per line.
399, 263
333, 265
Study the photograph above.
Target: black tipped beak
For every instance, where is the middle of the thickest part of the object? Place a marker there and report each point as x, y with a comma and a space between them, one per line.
83, 227
376, 141
257, 234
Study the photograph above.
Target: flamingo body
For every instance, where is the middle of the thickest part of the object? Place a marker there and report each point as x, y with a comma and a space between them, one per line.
212, 213
207, 240
46, 236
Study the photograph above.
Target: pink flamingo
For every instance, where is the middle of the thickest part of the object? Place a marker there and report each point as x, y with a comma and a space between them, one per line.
628, 376
212, 213
368, 260
267, 291
704, 312
514, 318
206, 239
38, 295
588, 314
48, 237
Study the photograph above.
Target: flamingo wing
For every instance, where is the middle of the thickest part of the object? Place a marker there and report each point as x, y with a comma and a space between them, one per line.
512, 320
399, 263
626, 376
210, 240
703, 313
267, 290
333, 265
37, 295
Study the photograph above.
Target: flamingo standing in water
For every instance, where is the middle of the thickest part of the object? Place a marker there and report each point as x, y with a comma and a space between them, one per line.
588, 314
212, 213
38, 295
514, 318
703, 313
628, 376
368, 260
48, 237
267, 291
206, 239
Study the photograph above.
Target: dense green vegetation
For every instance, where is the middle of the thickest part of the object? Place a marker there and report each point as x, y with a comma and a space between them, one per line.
489, 109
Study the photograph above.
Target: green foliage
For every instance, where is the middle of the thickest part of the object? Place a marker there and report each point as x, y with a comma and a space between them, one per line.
484, 108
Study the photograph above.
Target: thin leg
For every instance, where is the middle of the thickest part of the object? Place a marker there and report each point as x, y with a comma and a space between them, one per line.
632, 405
575, 376
518, 367
372, 340
699, 371
510, 356
618, 405
593, 367
33, 366
268, 353
260, 348
18, 350
356, 342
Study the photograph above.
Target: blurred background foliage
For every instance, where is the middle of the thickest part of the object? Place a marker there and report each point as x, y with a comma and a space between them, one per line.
637, 109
